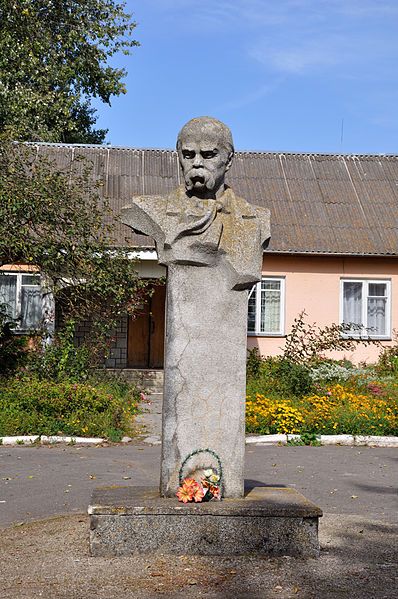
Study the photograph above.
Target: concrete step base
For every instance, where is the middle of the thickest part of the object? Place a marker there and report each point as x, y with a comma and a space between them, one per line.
150, 380
267, 521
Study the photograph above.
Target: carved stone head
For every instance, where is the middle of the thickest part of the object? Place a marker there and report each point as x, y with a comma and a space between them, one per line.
205, 150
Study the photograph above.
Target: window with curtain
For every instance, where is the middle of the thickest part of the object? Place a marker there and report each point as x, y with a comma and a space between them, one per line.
266, 307
21, 295
367, 303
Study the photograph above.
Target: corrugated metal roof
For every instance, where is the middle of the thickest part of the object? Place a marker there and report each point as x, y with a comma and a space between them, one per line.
319, 203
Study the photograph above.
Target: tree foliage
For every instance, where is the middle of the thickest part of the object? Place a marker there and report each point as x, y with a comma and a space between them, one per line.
56, 220
53, 60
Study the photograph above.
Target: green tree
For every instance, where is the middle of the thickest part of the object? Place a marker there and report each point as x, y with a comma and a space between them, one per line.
57, 221
54, 60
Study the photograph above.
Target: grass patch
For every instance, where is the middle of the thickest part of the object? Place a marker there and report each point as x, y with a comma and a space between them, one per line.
305, 439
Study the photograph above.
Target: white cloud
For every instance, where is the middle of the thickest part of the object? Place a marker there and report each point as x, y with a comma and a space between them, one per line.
294, 36
302, 55
253, 96
226, 13
363, 8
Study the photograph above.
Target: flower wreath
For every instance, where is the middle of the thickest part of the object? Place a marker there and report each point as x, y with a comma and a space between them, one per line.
209, 487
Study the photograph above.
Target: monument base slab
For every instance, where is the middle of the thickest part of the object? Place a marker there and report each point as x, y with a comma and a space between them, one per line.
267, 521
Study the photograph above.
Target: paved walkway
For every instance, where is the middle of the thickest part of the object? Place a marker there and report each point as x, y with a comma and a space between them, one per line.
149, 422
355, 487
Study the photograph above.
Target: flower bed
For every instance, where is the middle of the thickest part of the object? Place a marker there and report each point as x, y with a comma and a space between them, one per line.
369, 408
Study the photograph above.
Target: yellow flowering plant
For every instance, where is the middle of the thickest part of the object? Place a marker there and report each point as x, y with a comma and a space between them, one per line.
340, 409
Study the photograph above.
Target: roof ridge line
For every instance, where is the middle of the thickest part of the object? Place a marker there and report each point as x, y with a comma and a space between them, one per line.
238, 152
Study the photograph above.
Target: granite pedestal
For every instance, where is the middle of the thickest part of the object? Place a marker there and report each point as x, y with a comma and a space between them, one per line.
204, 377
268, 520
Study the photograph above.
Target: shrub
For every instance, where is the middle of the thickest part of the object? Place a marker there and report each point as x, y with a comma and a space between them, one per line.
294, 378
308, 342
388, 358
30, 405
12, 348
278, 377
330, 371
61, 360
253, 363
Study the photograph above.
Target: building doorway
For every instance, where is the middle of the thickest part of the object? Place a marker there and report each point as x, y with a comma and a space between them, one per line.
145, 338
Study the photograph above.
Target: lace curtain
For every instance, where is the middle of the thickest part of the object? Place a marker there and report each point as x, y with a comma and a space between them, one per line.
270, 307
24, 302
375, 296
8, 294
377, 301
31, 310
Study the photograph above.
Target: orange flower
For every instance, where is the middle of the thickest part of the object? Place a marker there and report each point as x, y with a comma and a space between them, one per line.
215, 491
189, 482
198, 493
184, 494
190, 490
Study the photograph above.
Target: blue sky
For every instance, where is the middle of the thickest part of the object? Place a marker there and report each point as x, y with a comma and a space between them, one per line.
285, 75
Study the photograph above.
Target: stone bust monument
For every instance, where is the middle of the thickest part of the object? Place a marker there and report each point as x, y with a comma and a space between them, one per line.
212, 244
203, 223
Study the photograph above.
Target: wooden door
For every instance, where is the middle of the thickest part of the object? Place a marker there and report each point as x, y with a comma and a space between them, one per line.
145, 341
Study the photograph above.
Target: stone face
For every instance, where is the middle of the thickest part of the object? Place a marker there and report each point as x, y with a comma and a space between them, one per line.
271, 521
212, 243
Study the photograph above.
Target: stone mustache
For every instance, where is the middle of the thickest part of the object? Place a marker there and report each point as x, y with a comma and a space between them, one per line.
212, 243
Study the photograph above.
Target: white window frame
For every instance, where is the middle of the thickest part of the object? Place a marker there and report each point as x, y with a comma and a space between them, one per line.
365, 294
257, 332
18, 293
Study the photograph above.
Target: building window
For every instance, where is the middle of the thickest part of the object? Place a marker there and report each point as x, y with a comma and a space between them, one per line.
367, 303
21, 295
266, 307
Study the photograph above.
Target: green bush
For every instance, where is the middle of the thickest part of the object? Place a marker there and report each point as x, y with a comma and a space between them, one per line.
253, 363
277, 377
295, 378
13, 348
30, 405
388, 358
61, 360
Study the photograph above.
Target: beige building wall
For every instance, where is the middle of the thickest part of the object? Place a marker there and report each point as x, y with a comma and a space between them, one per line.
312, 283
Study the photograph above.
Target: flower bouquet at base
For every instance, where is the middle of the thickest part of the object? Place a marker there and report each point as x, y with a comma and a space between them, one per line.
207, 489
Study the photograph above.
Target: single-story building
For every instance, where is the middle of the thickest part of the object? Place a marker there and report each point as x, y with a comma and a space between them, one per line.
333, 250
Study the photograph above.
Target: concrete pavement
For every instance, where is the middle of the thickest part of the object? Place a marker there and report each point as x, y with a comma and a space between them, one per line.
36, 482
